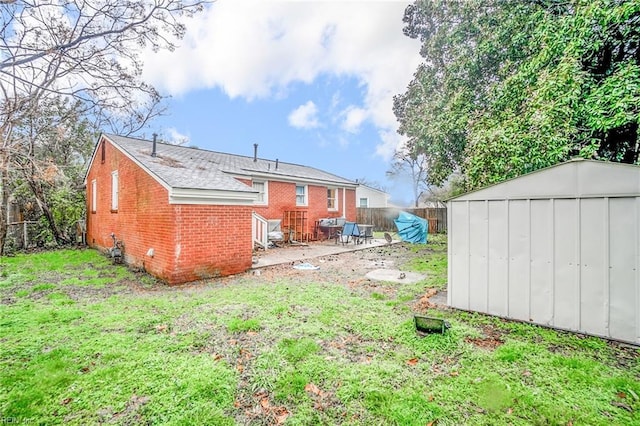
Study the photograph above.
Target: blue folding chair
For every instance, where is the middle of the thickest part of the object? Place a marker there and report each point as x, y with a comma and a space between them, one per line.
350, 231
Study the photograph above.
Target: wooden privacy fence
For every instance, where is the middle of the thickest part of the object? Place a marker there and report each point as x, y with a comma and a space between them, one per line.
382, 218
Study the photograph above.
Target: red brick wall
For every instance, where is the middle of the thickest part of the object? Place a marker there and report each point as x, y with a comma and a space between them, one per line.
189, 241
211, 241
282, 197
350, 204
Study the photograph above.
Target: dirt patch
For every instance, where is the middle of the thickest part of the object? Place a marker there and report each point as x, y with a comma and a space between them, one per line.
484, 342
491, 338
431, 299
356, 348
259, 408
355, 265
627, 355
129, 415
364, 286
395, 276
425, 303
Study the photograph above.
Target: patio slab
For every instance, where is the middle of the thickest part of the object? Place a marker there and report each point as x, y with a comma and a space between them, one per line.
308, 251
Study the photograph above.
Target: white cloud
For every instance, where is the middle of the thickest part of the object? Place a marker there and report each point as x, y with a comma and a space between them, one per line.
305, 116
335, 100
173, 136
353, 118
391, 141
255, 49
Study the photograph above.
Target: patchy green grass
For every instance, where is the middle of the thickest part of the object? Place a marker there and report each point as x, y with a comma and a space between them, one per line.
48, 270
298, 349
430, 259
237, 325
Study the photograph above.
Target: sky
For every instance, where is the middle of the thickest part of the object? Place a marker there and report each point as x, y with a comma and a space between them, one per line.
311, 82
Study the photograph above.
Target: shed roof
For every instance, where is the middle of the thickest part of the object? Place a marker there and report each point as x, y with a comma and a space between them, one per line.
577, 178
194, 168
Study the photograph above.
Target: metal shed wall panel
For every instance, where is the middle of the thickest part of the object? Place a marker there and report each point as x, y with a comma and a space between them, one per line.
498, 260
459, 247
623, 268
594, 258
541, 303
478, 256
569, 259
565, 309
519, 260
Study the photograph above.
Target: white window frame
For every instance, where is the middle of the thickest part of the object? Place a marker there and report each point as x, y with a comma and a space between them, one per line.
360, 202
94, 196
335, 199
114, 190
305, 195
265, 191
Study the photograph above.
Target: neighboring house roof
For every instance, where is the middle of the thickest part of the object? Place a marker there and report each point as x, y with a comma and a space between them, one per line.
197, 170
362, 185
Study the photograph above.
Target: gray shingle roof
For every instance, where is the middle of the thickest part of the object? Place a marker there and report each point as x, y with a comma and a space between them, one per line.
193, 168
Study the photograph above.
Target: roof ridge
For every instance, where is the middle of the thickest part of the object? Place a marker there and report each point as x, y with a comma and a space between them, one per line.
211, 151
239, 156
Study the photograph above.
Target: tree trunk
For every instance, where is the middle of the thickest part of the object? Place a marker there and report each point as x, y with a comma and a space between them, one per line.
4, 198
61, 237
38, 193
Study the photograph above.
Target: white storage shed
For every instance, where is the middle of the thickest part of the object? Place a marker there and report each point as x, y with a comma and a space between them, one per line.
558, 247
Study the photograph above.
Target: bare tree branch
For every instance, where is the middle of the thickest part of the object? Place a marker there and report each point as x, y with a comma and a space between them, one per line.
410, 161
81, 50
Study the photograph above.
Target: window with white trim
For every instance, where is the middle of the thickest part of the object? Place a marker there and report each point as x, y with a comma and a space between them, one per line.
332, 198
261, 187
94, 195
114, 190
364, 203
301, 195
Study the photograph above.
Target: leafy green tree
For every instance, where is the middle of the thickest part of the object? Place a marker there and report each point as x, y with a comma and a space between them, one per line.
577, 94
510, 87
57, 143
466, 52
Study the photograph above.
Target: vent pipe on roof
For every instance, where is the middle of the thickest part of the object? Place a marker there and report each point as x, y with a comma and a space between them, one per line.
155, 138
276, 164
255, 152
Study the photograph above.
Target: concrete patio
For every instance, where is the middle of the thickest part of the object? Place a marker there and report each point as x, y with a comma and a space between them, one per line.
305, 252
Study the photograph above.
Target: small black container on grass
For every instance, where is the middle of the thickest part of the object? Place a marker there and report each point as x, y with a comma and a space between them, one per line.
429, 325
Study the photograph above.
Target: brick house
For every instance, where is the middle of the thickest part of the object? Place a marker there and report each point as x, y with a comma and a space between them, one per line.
184, 213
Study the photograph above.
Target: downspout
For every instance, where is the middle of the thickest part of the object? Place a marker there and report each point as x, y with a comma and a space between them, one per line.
344, 202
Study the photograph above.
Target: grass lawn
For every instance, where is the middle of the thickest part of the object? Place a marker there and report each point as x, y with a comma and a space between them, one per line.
85, 342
